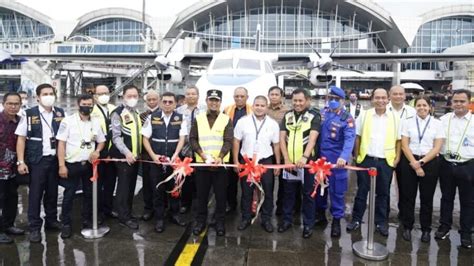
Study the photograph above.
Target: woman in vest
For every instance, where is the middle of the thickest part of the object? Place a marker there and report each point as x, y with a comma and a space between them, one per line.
422, 139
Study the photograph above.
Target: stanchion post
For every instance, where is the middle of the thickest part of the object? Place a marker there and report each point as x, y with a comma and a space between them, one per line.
96, 231
368, 249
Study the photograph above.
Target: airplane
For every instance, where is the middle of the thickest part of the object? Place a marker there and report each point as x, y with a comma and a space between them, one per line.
250, 69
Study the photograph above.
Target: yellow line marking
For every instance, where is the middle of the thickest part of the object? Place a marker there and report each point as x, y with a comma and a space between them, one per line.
189, 251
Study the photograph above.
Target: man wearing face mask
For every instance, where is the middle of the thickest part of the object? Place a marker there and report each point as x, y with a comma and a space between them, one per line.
77, 137
354, 107
336, 144
107, 172
126, 144
36, 152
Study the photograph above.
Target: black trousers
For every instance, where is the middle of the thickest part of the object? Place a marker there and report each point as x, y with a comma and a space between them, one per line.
106, 186
148, 188
232, 187
160, 195
127, 180
189, 191
8, 203
205, 179
267, 182
77, 172
43, 186
409, 184
462, 177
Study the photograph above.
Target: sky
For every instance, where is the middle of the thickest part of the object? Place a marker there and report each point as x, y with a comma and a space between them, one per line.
72, 9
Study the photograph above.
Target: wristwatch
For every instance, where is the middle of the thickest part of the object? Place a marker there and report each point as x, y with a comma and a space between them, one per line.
421, 162
19, 162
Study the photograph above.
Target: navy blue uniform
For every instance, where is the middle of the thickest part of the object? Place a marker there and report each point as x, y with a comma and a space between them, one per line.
337, 138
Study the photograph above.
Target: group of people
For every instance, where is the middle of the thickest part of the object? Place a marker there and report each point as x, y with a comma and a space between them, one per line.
58, 149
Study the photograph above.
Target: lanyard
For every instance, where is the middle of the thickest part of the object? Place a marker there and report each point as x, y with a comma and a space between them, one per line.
80, 128
420, 135
463, 134
257, 130
46, 122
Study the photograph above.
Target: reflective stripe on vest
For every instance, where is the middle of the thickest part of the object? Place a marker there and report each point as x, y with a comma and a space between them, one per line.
131, 128
298, 134
211, 140
390, 136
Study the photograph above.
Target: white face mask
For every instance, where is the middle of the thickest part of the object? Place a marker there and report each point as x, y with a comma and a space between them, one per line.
103, 99
24, 102
131, 102
48, 100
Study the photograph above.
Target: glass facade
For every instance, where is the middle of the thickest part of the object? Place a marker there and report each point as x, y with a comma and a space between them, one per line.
435, 36
285, 28
113, 30
15, 27
101, 48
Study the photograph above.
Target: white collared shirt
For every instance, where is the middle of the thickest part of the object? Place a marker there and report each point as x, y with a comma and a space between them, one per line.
75, 131
246, 132
433, 131
46, 119
353, 108
147, 127
405, 112
377, 133
458, 132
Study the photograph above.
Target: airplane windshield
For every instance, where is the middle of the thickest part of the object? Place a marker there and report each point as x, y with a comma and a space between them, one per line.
248, 64
223, 64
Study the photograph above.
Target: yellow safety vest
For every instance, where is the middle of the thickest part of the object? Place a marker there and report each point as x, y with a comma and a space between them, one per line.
131, 131
211, 140
96, 112
390, 136
298, 134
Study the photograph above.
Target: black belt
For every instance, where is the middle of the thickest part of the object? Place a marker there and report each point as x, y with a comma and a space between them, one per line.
81, 163
459, 163
374, 158
418, 157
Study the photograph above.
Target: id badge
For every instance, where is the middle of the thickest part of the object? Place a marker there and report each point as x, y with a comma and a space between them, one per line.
52, 143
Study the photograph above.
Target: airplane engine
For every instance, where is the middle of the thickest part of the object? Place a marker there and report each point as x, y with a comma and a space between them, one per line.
171, 76
319, 78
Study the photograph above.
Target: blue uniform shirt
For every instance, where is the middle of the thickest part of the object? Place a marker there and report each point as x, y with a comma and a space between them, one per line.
337, 135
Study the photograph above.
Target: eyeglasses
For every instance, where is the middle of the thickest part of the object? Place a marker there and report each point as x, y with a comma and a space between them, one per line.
12, 104
167, 102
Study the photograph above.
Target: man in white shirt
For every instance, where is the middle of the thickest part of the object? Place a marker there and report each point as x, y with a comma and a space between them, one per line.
397, 104
354, 107
377, 145
262, 140
457, 168
77, 149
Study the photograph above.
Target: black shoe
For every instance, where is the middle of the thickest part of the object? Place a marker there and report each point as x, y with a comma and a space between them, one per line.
267, 226
352, 226
442, 232
336, 228
243, 225
35, 236
14, 231
130, 224
199, 228
425, 237
176, 219
160, 226
4, 239
321, 219
307, 232
283, 227
406, 235
220, 229
53, 226
230, 209
147, 215
66, 231
382, 229
112, 214
466, 241
183, 209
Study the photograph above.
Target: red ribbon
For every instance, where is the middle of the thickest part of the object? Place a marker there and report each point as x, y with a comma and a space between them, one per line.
182, 169
321, 170
372, 172
95, 171
184, 164
251, 169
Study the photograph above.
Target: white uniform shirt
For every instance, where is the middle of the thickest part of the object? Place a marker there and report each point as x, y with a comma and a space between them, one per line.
47, 129
377, 134
246, 131
75, 132
187, 113
458, 132
353, 108
433, 131
147, 128
405, 112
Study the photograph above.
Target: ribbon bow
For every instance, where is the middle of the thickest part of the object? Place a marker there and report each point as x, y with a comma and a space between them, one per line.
95, 171
321, 170
181, 170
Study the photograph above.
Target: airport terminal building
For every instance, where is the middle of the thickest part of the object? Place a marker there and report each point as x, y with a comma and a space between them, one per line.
214, 25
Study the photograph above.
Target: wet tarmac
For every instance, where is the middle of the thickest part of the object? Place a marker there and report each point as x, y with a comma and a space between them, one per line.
251, 247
